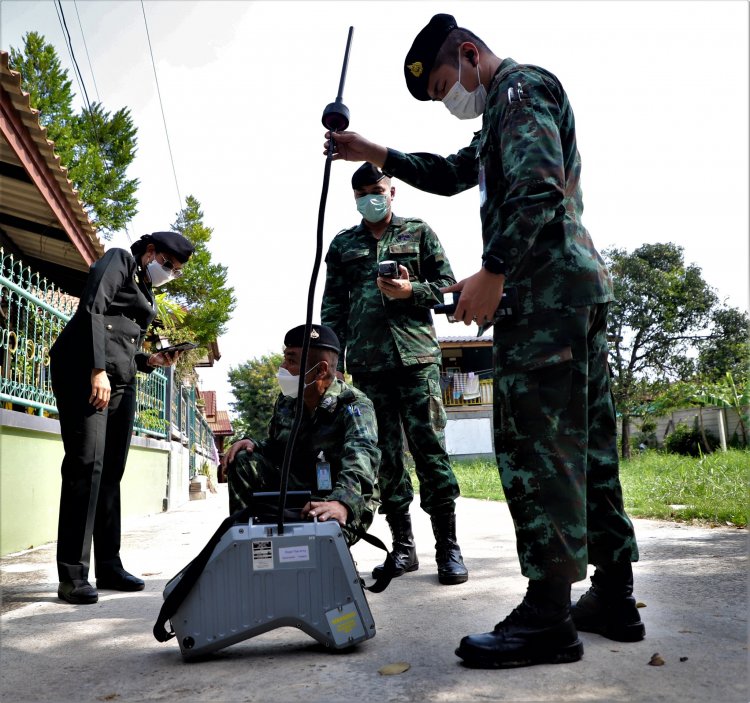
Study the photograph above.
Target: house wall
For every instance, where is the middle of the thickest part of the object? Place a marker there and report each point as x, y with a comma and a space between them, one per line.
31, 452
468, 434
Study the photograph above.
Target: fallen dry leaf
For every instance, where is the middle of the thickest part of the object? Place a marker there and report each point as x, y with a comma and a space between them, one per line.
395, 668
640, 604
656, 660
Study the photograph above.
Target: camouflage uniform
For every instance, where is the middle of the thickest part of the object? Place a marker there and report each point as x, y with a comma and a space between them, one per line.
344, 429
393, 354
554, 417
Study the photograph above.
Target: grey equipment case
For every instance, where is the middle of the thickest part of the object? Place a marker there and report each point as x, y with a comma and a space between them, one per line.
256, 580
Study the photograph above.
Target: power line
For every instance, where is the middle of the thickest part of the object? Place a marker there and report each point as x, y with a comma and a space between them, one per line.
69, 45
164, 119
85, 46
82, 84
96, 88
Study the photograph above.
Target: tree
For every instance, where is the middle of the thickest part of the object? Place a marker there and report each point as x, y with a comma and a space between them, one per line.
49, 88
726, 349
96, 147
105, 146
255, 387
202, 290
662, 310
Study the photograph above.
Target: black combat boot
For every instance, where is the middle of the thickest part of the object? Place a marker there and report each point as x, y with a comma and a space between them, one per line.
450, 563
539, 631
404, 552
608, 607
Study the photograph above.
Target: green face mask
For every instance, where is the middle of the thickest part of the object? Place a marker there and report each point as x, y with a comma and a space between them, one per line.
373, 208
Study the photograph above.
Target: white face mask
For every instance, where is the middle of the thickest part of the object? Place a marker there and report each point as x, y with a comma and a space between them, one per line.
289, 384
463, 104
158, 274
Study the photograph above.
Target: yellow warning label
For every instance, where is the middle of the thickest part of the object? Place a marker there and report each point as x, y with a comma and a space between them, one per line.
345, 623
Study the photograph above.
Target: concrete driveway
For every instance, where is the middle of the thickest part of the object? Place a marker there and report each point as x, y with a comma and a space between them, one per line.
692, 580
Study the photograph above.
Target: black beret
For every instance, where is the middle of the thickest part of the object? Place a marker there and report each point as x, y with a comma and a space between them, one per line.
366, 175
173, 242
421, 57
321, 337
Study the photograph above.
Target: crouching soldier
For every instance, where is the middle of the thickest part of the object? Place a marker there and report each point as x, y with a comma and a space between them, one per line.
335, 454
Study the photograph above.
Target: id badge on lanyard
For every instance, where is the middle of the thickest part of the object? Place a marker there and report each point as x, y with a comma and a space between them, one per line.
323, 474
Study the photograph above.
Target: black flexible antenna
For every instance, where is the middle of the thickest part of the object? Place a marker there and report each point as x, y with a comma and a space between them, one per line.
335, 119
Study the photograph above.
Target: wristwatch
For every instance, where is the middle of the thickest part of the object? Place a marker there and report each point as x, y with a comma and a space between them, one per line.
493, 264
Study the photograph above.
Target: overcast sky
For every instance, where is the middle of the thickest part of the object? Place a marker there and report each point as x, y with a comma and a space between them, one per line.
659, 90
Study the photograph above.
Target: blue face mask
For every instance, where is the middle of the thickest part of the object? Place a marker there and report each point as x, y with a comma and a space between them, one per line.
373, 208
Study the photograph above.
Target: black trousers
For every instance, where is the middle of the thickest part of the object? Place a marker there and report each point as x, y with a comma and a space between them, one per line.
96, 446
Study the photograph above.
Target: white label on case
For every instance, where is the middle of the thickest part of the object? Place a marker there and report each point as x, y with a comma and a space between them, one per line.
300, 553
262, 555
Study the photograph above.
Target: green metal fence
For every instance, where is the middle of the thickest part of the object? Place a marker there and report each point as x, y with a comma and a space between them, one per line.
192, 426
33, 311
32, 314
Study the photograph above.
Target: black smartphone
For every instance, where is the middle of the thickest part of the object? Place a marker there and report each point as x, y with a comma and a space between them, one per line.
388, 269
184, 346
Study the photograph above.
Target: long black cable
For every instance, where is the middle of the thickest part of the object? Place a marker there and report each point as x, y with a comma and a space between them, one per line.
299, 407
338, 118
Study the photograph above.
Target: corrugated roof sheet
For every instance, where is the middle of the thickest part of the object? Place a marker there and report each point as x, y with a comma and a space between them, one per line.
22, 199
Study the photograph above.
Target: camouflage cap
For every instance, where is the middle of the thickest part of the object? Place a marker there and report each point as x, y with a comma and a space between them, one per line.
321, 337
421, 57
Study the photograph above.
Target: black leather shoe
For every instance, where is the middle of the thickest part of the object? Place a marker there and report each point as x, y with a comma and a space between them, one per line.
527, 636
77, 591
616, 618
119, 580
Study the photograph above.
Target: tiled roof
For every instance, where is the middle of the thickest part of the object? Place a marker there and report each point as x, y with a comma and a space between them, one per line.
220, 424
209, 398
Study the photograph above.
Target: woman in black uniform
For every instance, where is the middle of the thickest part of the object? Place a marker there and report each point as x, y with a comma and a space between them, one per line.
93, 367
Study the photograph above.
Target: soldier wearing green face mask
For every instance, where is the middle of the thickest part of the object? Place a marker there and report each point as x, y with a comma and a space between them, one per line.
554, 417
385, 327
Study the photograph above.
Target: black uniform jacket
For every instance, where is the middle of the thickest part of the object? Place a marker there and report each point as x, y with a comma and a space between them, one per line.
112, 318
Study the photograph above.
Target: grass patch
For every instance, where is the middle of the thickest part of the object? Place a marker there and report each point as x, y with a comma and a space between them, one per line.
710, 489
479, 479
